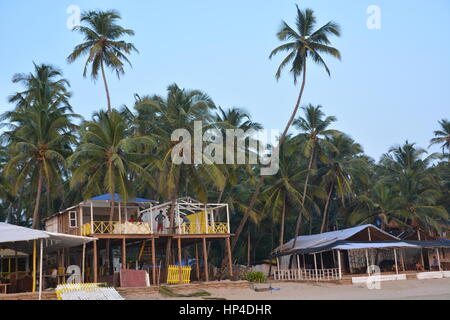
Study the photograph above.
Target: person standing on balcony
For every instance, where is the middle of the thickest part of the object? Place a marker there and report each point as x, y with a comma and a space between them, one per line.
160, 220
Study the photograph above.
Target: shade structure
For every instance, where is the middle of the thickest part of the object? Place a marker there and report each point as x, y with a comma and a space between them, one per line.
13, 233
21, 239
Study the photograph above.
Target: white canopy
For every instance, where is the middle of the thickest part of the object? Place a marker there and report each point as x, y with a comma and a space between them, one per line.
12, 233
328, 238
20, 238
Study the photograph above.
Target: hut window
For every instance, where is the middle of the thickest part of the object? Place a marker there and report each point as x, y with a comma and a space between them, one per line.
73, 221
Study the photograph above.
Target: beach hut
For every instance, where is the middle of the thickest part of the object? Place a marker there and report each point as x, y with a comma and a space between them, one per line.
36, 243
358, 250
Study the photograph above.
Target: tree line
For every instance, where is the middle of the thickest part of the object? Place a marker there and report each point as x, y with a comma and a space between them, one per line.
52, 158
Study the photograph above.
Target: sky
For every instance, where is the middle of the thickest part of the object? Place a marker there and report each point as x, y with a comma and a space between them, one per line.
392, 85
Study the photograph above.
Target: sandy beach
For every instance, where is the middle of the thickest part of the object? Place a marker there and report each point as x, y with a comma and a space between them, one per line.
436, 289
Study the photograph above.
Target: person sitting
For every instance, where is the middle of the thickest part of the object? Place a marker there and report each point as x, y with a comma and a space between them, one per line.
435, 265
132, 220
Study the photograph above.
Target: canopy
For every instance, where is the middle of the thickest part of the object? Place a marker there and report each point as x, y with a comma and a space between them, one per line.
20, 238
329, 238
13, 233
118, 198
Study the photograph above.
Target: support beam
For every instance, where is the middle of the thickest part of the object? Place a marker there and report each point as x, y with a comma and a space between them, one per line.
153, 262
92, 217
41, 260
315, 266
367, 262
94, 264
197, 265
395, 257
439, 259
230, 261
180, 266
33, 288
83, 263
205, 259
124, 253
339, 264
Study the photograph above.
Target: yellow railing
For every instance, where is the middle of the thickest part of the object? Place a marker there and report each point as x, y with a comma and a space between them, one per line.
213, 228
112, 227
173, 274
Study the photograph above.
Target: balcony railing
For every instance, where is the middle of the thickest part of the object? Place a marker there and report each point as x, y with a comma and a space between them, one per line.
114, 227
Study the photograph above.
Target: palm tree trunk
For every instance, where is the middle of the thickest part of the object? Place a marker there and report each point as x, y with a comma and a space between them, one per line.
261, 179
305, 190
283, 215
106, 87
36, 216
325, 211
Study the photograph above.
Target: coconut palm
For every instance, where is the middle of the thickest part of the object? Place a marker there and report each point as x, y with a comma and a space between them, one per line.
40, 139
45, 86
442, 136
103, 45
106, 158
314, 127
302, 44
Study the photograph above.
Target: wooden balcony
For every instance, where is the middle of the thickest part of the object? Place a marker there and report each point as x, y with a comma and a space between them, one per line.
134, 228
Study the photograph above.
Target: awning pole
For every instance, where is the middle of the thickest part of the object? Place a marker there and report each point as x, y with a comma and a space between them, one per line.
395, 257
367, 261
40, 269
33, 289
92, 217
339, 264
439, 259
315, 265
278, 265
83, 262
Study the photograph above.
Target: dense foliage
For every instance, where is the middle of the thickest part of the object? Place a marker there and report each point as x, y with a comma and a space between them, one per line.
49, 161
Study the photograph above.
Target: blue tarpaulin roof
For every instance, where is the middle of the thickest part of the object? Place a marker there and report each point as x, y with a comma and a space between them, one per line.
118, 198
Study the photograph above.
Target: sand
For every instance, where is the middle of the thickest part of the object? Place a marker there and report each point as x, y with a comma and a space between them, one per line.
390, 290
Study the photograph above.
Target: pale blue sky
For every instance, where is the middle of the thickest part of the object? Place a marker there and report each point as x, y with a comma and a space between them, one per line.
393, 84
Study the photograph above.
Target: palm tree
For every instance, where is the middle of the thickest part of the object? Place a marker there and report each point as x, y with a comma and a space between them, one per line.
302, 43
417, 192
45, 86
106, 158
158, 118
341, 166
314, 127
40, 140
442, 136
103, 45
40, 134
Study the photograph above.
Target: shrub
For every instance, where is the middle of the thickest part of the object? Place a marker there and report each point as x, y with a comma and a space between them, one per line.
255, 276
